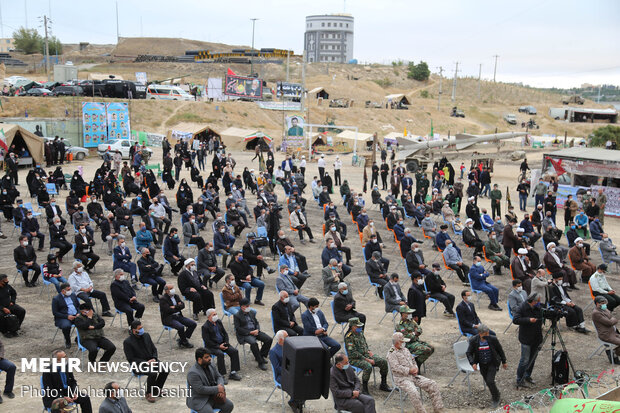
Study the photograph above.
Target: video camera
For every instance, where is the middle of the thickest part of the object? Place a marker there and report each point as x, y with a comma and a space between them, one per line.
554, 312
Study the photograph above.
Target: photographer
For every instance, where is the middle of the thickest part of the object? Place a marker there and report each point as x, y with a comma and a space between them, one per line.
559, 296
529, 318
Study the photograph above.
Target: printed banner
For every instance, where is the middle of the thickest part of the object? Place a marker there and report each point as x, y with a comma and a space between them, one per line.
294, 126
118, 120
94, 124
288, 90
141, 77
288, 106
564, 191
244, 87
584, 405
612, 208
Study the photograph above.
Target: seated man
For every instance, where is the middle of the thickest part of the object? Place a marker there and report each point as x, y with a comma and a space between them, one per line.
522, 269
600, 287
90, 326
58, 238
215, 339
191, 233
494, 253
412, 332
605, 325
415, 261
526, 224
205, 385
360, 355
193, 289
252, 254
487, 221
373, 246
331, 252
345, 388
244, 277
596, 229
571, 237
315, 324
171, 251
30, 228
344, 305
124, 297
171, 310
554, 264
478, 276
393, 295
300, 223
83, 287
498, 227
293, 268
466, 314
232, 294
553, 235
207, 265
471, 238
332, 275
369, 230
416, 297
285, 283
399, 229
8, 295
283, 316
559, 296
275, 357
608, 250
429, 227
437, 289
581, 221
405, 374
282, 242
406, 241
144, 238
442, 237
517, 296
110, 231
223, 243
84, 244
65, 308
150, 273
452, 257
247, 329
377, 272
57, 384
580, 260
80, 218
26, 260
52, 272
122, 259
333, 235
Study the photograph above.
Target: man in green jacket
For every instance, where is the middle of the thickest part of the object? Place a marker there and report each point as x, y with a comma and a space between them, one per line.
494, 253
90, 329
496, 200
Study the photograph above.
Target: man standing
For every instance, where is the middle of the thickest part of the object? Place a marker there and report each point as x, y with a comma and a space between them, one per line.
528, 318
406, 377
206, 386
496, 201
345, 387
485, 353
321, 166
601, 202
362, 357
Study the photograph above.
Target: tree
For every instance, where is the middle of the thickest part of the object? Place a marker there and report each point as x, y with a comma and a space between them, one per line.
54, 45
419, 72
601, 135
27, 40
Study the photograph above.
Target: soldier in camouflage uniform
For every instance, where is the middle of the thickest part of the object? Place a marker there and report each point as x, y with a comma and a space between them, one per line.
406, 377
360, 356
411, 330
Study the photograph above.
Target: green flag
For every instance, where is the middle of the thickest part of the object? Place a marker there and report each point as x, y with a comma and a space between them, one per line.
432, 133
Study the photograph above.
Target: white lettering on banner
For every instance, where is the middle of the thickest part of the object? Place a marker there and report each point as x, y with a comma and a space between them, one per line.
49, 365
591, 168
73, 365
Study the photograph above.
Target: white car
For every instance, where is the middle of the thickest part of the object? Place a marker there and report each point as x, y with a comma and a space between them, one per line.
122, 145
78, 152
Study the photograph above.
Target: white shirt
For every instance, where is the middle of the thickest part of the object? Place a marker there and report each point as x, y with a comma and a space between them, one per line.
321, 163
79, 281
338, 164
315, 316
302, 164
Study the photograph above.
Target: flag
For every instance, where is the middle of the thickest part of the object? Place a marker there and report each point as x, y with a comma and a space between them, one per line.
557, 165
508, 198
230, 72
3, 144
405, 132
432, 132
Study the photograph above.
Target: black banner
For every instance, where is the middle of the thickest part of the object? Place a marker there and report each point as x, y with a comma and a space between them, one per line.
289, 90
245, 87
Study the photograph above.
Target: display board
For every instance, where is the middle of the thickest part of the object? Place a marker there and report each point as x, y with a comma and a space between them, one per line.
243, 87
118, 120
289, 90
94, 124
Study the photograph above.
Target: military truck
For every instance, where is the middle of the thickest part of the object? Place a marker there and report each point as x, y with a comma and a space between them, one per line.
573, 99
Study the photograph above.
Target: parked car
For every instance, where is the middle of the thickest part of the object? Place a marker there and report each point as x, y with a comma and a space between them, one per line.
37, 91
68, 91
121, 145
165, 92
78, 152
374, 105
530, 110
340, 103
511, 118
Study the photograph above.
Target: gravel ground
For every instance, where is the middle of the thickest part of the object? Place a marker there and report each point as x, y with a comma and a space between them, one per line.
38, 328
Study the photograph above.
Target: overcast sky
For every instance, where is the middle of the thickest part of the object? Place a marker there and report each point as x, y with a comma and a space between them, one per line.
544, 43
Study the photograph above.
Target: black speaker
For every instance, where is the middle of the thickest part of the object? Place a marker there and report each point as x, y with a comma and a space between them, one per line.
305, 368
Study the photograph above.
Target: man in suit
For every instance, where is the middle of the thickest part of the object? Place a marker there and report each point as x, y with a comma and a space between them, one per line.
65, 308
493, 252
295, 272
478, 276
215, 339
191, 233
63, 384
452, 256
554, 264
123, 216
315, 324
605, 325
171, 251
140, 351
84, 244
467, 316
171, 310
580, 260
331, 252
559, 296
300, 223
150, 273
110, 231
346, 388
509, 239
26, 260
114, 401
344, 305
284, 282
30, 228
247, 329
124, 297
252, 254
283, 316
438, 290
244, 277
194, 290
332, 275
522, 269
58, 240
207, 265
204, 384
393, 295
8, 296
122, 259
415, 261
80, 218
376, 272
471, 238
517, 296
12, 167
407, 241
486, 354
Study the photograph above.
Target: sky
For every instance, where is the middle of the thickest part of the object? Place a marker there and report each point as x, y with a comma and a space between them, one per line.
542, 43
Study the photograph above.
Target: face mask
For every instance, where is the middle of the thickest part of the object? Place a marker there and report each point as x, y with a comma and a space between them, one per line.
192, 268
232, 283
79, 270
192, 220
538, 305
372, 224
466, 298
246, 310
240, 259
492, 236
67, 293
479, 264
519, 289
400, 222
572, 227
416, 250
358, 330
223, 230
83, 230
122, 278
345, 292
286, 300
579, 245
346, 366
314, 310
603, 307
333, 229
409, 317
141, 331
24, 243
420, 282
189, 211
172, 291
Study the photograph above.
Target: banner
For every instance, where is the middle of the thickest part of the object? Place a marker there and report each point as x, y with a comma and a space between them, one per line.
564, 191
287, 106
118, 120
214, 88
141, 77
294, 126
94, 124
585, 405
289, 90
244, 87
612, 208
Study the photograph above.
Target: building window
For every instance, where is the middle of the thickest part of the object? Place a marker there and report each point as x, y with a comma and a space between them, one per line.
340, 24
329, 25
347, 24
322, 24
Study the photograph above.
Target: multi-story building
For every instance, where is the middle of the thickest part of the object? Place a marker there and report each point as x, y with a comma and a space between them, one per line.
6, 45
329, 38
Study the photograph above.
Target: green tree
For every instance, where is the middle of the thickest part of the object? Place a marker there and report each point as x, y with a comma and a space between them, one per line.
419, 72
27, 40
54, 45
601, 135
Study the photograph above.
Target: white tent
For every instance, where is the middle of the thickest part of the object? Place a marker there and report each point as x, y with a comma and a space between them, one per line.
350, 134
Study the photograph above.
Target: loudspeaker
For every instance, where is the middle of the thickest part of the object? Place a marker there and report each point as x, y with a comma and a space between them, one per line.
305, 368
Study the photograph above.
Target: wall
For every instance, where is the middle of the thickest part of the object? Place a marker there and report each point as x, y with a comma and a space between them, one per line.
70, 129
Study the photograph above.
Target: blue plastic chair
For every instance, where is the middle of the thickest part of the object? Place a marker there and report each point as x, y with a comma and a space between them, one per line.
28, 206
431, 299
45, 283
169, 330
51, 189
372, 284
474, 291
342, 325
81, 348
225, 310
121, 314
394, 312
277, 385
133, 374
509, 315
467, 335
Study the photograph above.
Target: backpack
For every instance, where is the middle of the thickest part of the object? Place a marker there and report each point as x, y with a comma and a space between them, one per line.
9, 323
559, 367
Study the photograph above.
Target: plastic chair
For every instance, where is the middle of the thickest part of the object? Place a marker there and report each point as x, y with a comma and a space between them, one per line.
462, 364
169, 330
331, 294
467, 335
139, 376
45, 283
51, 189
224, 310
121, 314
372, 284
28, 206
81, 348
474, 291
342, 325
509, 315
445, 265
488, 261
394, 312
277, 385
456, 232
357, 370
591, 303
395, 387
431, 299
603, 346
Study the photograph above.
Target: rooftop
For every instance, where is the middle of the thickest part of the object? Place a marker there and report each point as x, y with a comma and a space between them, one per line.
591, 154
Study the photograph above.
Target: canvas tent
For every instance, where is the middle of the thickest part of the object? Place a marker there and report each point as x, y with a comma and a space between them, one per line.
24, 140
257, 138
318, 92
351, 135
232, 136
190, 132
397, 98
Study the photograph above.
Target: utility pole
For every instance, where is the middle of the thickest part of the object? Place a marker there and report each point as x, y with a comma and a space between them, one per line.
288, 61
252, 57
47, 49
118, 36
479, 76
440, 90
495, 70
456, 70
26, 12
1, 25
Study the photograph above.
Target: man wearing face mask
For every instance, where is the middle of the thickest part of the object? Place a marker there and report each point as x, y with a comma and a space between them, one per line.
215, 339
361, 356
493, 252
83, 287
26, 260
247, 329
369, 230
124, 297
252, 254
411, 330
244, 277
554, 263
122, 260
558, 296
486, 354
529, 232
150, 273
605, 325
171, 310
8, 308
346, 389
470, 237
114, 401
223, 243
453, 259
193, 289
529, 319
171, 251
140, 350
191, 233
315, 324
344, 305
30, 228
206, 386
522, 269
208, 266
84, 244
517, 296
124, 218
62, 384
580, 260
82, 218
234, 218
478, 276
331, 252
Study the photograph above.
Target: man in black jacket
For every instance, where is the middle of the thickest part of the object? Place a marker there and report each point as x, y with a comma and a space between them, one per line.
376, 272
467, 317
283, 316
8, 295
415, 261
123, 217
437, 288
485, 353
95, 210
471, 238
150, 273
244, 277
215, 339
84, 244
139, 350
30, 228
110, 230
529, 319
171, 310
58, 240
63, 384
26, 260
124, 297
53, 210
416, 297
207, 264
252, 254
558, 296
90, 326
171, 251
193, 289
344, 305
247, 329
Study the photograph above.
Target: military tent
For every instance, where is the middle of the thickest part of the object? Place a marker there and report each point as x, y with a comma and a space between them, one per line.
26, 143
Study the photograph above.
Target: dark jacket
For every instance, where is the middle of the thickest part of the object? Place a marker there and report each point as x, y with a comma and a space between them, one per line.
148, 266
188, 280
30, 225
121, 256
208, 334
8, 295
59, 306
416, 300
529, 333
467, 315
282, 315
413, 263
108, 228
80, 245
206, 259
165, 302
374, 269
121, 292
340, 302
434, 283
58, 234
497, 352
171, 247
52, 384
139, 349
241, 324
241, 270
22, 255
83, 324
342, 383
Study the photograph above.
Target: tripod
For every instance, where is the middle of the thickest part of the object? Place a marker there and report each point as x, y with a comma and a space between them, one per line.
554, 332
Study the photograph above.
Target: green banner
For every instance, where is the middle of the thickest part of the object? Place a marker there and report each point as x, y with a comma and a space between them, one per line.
584, 405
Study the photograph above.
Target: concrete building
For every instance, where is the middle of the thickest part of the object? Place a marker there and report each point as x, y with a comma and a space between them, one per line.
6, 45
329, 38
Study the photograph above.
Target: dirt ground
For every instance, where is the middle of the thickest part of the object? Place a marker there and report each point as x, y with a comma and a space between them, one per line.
38, 328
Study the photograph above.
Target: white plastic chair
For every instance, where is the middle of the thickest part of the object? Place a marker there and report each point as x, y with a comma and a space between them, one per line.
462, 364
603, 346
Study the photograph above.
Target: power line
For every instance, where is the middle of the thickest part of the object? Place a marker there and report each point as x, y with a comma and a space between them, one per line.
440, 90
495, 70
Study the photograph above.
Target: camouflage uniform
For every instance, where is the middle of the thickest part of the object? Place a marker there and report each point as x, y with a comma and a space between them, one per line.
400, 363
357, 351
412, 331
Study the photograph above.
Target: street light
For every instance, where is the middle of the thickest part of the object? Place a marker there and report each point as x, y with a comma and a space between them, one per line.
252, 57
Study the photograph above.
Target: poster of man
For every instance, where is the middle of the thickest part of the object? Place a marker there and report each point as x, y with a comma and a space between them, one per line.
243, 87
295, 125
